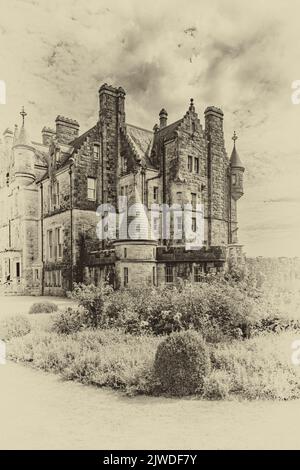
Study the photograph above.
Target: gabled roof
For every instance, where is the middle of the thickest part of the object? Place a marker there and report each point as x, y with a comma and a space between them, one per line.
77, 143
141, 141
167, 132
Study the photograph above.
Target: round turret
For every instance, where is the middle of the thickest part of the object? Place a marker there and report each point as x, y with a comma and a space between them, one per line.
23, 156
236, 172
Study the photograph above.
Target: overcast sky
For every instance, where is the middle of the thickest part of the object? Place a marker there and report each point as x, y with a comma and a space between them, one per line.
240, 56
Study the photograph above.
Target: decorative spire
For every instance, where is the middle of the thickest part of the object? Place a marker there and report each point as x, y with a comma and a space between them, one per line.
192, 107
235, 160
23, 114
234, 138
16, 134
22, 137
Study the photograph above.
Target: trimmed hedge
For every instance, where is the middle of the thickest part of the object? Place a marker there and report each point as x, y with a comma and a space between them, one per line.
182, 362
43, 307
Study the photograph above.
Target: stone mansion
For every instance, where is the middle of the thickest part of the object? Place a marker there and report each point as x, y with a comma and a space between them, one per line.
50, 191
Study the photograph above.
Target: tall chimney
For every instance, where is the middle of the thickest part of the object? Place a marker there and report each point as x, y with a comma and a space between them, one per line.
47, 135
163, 118
66, 129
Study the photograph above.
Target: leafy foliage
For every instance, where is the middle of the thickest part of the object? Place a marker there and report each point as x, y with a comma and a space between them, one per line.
93, 300
14, 326
182, 362
43, 307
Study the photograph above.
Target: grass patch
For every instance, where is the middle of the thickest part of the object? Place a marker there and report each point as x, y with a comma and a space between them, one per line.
257, 368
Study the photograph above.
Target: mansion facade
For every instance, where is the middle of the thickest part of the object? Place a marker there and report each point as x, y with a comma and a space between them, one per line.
50, 192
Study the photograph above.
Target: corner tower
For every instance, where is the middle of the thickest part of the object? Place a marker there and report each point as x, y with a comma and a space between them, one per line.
23, 156
236, 187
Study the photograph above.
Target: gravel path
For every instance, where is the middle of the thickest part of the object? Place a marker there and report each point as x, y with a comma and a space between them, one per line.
39, 411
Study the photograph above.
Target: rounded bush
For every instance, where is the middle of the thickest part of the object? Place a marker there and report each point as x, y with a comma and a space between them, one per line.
182, 362
43, 307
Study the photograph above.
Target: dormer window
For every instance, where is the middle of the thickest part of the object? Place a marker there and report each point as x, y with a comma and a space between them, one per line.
96, 151
57, 156
55, 195
124, 164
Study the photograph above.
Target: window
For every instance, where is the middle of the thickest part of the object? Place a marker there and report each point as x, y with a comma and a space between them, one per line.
36, 274
198, 271
193, 127
122, 191
50, 244
169, 274
196, 164
190, 163
233, 179
91, 189
17, 270
125, 252
57, 157
194, 200
179, 223
124, 164
154, 276
155, 193
55, 195
59, 278
58, 241
125, 277
179, 198
194, 224
96, 151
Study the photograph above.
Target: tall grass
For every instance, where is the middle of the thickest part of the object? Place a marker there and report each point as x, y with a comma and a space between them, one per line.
257, 368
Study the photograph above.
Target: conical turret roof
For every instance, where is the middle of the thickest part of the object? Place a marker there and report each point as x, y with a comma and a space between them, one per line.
22, 137
235, 160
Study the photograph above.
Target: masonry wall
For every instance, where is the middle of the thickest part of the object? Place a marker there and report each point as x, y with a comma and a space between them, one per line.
218, 191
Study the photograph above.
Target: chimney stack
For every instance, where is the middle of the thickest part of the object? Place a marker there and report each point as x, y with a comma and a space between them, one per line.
163, 118
66, 129
47, 135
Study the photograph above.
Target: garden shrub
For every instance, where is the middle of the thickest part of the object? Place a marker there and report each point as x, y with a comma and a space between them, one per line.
217, 385
14, 326
43, 307
94, 300
216, 309
71, 320
182, 362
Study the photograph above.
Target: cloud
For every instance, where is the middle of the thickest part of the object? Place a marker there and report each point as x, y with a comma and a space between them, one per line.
240, 56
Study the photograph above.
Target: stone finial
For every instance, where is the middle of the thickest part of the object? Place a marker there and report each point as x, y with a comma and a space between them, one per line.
234, 138
23, 114
163, 118
192, 106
